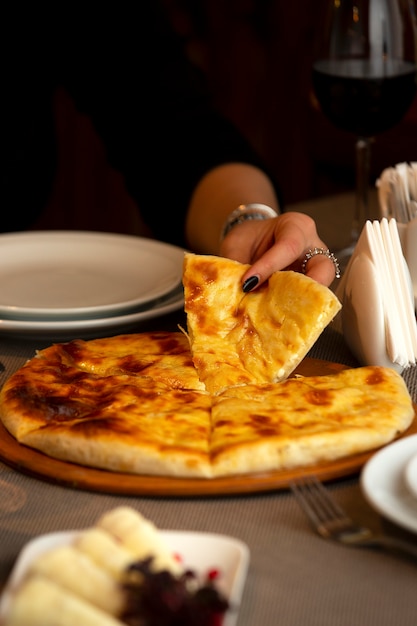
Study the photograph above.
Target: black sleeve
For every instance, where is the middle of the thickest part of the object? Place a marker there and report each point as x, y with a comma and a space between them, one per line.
150, 107
27, 133
125, 68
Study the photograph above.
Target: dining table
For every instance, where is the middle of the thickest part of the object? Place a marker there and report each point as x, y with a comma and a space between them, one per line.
295, 577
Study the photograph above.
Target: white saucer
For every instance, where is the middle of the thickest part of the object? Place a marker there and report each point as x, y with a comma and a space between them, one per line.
410, 475
57, 275
383, 485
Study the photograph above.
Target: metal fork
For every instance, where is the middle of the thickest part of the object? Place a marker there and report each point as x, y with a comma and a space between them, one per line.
331, 522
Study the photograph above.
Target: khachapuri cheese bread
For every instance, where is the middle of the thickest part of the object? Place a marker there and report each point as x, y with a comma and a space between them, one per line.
214, 400
261, 336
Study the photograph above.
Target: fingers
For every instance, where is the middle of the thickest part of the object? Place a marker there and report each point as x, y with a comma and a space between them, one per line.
278, 244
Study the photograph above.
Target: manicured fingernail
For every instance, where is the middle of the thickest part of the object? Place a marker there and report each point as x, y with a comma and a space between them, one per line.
250, 283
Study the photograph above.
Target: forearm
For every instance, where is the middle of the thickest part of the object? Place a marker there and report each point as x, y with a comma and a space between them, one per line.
219, 193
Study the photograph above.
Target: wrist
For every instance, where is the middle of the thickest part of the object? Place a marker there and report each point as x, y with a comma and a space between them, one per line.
245, 212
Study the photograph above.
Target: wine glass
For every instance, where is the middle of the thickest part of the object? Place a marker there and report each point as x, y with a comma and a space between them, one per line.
364, 78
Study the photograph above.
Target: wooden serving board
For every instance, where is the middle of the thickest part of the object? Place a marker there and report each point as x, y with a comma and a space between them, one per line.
39, 465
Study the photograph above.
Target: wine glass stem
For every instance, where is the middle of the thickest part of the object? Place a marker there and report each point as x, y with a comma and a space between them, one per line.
363, 156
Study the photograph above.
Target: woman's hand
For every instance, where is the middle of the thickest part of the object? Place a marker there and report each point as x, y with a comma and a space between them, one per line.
277, 244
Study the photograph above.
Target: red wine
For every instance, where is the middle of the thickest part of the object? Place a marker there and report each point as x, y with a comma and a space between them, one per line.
364, 97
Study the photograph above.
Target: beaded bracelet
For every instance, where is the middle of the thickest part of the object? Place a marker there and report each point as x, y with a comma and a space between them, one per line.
246, 212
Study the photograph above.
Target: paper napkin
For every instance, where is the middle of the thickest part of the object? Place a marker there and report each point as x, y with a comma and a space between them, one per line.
378, 316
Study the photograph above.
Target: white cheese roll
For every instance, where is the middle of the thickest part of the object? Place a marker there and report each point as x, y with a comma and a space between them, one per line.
141, 537
41, 602
76, 572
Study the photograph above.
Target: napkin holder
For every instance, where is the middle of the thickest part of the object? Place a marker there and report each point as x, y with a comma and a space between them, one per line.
378, 317
408, 238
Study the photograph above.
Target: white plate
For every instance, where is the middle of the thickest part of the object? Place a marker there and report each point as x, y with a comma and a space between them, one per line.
87, 328
410, 475
383, 485
81, 274
201, 552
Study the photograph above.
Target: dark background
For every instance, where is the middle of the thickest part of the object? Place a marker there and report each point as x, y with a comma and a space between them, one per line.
257, 57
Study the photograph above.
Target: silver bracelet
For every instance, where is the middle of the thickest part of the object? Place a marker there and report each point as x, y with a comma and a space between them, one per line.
246, 212
324, 252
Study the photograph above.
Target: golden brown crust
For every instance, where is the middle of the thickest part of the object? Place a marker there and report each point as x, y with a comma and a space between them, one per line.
304, 421
257, 337
130, 423
67, 402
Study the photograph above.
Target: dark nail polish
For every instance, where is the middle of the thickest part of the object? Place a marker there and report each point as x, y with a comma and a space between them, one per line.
250, 283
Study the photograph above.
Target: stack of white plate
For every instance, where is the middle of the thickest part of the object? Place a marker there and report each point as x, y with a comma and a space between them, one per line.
389, 482
80, 283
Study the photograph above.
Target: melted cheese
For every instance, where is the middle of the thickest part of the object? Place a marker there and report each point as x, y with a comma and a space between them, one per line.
256, 337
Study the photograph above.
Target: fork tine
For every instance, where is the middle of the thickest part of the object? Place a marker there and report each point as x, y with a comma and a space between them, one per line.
304, 498
316, 502
323, 495
331, 522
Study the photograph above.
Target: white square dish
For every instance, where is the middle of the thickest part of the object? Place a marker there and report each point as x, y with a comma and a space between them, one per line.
200, 552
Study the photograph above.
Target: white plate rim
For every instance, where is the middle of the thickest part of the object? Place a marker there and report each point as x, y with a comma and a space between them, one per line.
201, 552
88, 327
410, 474
382, 483
154, 266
